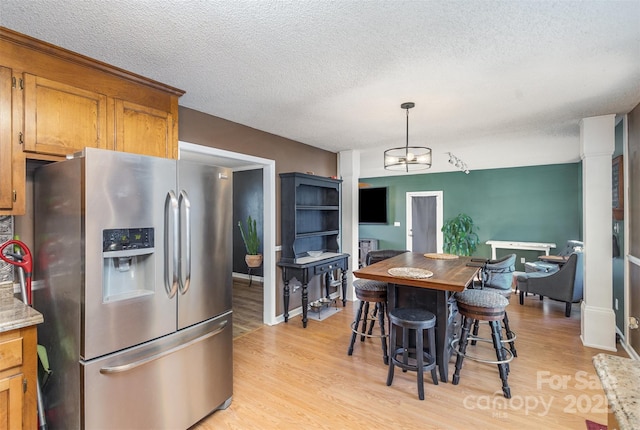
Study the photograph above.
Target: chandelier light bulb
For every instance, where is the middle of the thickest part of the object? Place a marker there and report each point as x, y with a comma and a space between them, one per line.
410, 156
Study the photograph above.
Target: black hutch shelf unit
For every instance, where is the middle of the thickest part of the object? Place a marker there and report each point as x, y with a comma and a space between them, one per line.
310, 215
310, 221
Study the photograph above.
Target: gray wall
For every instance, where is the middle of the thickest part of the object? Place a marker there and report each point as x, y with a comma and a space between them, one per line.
248, 199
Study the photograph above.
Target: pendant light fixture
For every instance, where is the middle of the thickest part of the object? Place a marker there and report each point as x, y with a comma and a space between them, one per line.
407, 158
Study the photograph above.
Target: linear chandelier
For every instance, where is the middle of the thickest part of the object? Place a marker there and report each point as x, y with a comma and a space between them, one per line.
407, 158
458, 163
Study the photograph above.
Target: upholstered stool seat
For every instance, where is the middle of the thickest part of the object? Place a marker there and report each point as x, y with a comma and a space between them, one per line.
367, 285
408, 358
482, 305
370, 292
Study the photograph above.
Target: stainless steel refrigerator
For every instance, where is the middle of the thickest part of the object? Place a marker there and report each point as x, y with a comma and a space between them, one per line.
134, 254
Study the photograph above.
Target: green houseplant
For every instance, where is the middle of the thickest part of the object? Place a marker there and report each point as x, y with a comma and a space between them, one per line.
251, 242
460, 237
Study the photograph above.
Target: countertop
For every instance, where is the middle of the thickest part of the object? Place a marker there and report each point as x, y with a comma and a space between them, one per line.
14, 314
620, 378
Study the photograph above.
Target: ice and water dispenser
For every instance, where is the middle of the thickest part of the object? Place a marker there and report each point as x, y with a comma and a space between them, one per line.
128, 263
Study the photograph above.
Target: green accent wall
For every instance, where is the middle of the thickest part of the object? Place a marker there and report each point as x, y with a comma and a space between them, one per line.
530, 204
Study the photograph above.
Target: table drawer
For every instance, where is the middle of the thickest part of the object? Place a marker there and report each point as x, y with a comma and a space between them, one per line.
324, 268
10, 353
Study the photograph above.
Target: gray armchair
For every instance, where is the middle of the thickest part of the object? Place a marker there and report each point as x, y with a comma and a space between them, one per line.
564, 285
498, 274
382, 254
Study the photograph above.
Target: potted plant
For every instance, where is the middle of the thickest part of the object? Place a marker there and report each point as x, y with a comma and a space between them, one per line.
251, 243
460, 237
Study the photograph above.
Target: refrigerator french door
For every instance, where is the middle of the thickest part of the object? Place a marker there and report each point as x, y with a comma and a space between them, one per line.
135, 261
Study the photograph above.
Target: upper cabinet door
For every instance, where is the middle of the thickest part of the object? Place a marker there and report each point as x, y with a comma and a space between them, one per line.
143, 130
61, 119
6, 180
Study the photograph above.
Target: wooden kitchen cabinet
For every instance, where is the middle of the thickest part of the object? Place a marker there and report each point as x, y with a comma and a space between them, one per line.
54, 102
12, 165
6, 153
144, 130
61, 119
11, 405
18, 373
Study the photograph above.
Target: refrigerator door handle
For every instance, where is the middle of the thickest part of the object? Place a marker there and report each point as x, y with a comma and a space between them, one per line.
142, 362
171, 207
184, 201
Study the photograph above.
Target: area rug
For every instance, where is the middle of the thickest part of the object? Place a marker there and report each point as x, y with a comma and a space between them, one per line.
595, 426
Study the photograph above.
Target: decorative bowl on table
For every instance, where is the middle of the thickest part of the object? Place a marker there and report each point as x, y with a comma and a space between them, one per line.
314, 253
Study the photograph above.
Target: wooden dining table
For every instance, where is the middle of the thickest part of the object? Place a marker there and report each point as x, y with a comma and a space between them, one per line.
434, 293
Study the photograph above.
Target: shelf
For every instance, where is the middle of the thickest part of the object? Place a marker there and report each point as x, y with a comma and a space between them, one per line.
317, 208
310, 214
317, 233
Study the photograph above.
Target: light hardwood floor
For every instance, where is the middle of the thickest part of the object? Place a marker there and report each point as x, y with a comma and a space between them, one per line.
287, 377
247, 306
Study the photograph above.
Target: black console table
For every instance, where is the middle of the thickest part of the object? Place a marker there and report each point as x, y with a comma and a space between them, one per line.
305, 268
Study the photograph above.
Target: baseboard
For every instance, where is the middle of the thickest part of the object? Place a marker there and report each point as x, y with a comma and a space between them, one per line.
628, 349
246, 277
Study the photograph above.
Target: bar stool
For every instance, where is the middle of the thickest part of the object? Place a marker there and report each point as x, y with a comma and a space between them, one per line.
370, 292
510, 335
488, 306
497, 276
414, 359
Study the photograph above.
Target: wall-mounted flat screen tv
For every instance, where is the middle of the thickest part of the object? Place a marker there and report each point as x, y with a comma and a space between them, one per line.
372, 207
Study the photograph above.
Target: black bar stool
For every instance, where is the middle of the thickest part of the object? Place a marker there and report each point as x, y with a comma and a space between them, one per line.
370, 292
510, 335
497, 276
488, 306
414, 359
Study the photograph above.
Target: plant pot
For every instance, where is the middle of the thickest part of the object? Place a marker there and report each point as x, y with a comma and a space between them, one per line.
253, 260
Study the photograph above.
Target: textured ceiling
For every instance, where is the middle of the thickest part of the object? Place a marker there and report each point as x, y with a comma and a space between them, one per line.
511, 78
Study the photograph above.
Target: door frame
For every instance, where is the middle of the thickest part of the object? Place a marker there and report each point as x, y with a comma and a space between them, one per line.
629, 259
237, 161
439, 216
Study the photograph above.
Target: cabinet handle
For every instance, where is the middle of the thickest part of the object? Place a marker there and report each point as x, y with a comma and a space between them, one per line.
15, 196
13, 82
21, 138
21, 84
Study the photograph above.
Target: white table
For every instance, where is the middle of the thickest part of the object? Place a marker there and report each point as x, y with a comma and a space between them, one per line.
513, 244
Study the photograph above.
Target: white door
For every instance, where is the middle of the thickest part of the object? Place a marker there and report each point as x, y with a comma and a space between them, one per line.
424, 221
